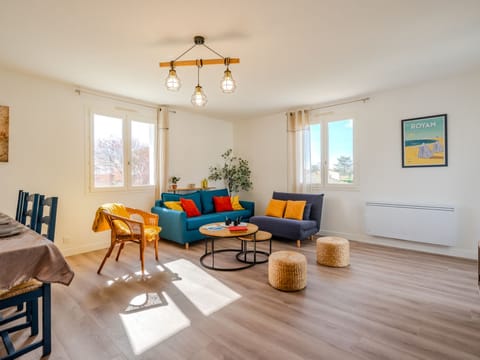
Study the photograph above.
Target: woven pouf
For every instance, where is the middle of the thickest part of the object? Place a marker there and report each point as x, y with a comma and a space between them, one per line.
287, 270
333, 251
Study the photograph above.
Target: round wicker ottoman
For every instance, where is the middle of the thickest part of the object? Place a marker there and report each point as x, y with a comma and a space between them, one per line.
333, 251
287, 270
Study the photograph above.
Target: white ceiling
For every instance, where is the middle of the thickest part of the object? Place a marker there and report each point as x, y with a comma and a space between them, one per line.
292, 53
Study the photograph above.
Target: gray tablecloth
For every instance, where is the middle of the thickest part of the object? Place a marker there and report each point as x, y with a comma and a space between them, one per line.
29, 255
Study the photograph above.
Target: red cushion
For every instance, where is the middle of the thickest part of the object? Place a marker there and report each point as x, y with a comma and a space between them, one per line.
189, 207
222, 203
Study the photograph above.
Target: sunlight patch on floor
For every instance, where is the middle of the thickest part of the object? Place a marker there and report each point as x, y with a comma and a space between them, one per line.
203, 290
151, 318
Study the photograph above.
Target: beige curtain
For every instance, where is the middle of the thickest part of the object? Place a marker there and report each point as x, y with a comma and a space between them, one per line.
298, 150
162, 151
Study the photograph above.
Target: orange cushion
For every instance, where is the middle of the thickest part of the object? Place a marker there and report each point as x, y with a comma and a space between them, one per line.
275, 208
190, 208
222, 203
294, 209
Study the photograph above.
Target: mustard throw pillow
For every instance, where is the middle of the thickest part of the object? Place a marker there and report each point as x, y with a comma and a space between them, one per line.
174, 205
236, 203
275, 208
294, 209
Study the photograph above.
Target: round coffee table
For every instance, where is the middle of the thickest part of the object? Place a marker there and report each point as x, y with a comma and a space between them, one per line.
257, 237
219, 230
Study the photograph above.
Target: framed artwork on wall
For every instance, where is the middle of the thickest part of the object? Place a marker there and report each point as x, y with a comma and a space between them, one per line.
4, 119
424, 141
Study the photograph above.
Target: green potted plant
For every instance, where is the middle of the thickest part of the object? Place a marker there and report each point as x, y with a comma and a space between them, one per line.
235, 173
173, 181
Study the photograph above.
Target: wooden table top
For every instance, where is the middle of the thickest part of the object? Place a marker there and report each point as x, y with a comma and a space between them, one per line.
222, 231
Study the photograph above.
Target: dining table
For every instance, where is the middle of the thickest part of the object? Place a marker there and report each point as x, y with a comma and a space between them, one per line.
25, 255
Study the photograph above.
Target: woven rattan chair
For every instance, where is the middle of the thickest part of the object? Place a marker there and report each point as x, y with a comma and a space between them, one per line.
124, 229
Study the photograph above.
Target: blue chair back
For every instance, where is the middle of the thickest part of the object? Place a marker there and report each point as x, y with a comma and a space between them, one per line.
21, 205
47, 215
31, 212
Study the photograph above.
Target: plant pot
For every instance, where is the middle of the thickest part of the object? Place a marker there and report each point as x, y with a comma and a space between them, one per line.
174, 186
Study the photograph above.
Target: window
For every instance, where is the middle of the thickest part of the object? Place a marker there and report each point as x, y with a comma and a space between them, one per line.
123, 152
332, 153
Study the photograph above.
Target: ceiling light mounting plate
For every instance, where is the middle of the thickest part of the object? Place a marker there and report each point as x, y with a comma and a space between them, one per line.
199, 40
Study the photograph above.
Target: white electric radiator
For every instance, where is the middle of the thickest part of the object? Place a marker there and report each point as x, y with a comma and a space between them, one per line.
420, 223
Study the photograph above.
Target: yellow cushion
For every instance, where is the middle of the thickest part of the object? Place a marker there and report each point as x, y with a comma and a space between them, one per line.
151, 232
100, 223
294, 209
276, 208
121, 228
236, 203
174, 205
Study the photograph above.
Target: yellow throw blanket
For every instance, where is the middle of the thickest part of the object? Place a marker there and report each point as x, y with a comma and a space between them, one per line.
100, 223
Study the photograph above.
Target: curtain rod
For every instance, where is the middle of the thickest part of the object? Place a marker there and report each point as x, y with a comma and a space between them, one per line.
340, 103
79, 91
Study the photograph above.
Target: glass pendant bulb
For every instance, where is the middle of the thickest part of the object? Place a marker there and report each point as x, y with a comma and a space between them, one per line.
199, 98
172, 82
227, 84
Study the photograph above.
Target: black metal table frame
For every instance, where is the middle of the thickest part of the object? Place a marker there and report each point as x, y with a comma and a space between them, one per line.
242, 251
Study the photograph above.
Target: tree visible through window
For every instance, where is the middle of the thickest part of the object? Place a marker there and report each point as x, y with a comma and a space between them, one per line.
332, 152
110, 150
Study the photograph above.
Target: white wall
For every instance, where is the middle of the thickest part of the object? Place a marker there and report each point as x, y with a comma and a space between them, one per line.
48, 154
381, 176
196, 143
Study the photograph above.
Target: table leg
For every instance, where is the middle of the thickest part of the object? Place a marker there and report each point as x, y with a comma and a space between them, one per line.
255, 248
213, 253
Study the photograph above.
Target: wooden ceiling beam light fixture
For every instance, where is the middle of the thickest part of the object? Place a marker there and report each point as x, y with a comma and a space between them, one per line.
199, 98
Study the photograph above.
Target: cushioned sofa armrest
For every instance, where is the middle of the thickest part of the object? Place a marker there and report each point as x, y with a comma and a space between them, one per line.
248, 205
173, 222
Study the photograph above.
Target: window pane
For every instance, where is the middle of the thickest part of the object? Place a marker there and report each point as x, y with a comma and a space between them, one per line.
340, 152
316, 154
108, 151
142, 154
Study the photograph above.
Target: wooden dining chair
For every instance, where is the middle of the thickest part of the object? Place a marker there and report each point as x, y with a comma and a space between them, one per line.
124, 229
21, 205
30, 215
42, 213
47, 216
27, 292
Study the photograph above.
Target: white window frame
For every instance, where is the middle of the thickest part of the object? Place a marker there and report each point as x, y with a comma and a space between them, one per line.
127, 119
324, 119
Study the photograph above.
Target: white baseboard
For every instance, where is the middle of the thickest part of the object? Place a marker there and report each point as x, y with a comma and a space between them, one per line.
403, 244
75, 250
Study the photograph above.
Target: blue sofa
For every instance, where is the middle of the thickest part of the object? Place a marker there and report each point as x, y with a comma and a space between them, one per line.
294, 229
176, 226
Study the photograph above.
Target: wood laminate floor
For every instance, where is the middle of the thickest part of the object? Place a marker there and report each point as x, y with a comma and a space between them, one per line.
389, 304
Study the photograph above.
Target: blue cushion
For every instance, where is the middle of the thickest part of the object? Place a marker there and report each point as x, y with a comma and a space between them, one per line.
195, 196
207, 199
306, 211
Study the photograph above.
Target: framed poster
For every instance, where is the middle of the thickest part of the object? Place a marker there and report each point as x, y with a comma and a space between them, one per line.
424, 141
4, 118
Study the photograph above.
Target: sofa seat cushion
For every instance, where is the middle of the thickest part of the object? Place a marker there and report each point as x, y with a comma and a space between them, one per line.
195, 222
286, 228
